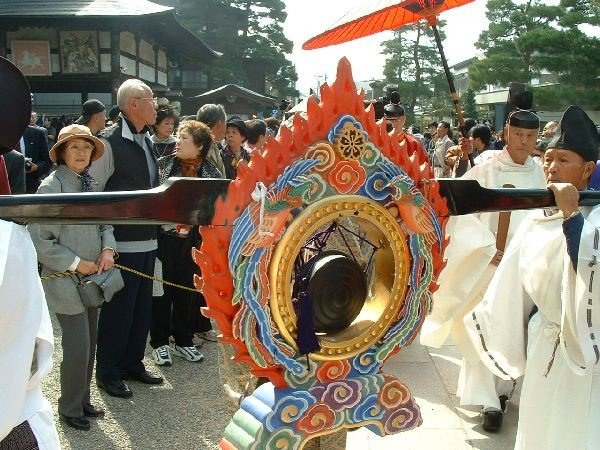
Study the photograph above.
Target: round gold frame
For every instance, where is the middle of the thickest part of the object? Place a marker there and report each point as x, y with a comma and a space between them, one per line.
387, 287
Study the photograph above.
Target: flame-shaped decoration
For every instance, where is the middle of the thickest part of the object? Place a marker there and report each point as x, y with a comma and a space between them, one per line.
336, 164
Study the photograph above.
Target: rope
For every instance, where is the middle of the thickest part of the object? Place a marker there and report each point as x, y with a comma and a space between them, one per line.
67, 273
160, 280
259, 195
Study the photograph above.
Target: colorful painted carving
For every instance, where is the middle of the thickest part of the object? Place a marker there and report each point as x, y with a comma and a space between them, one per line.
336, 167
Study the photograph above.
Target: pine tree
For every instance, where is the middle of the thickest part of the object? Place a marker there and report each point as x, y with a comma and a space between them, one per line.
525, 41
249, 35
469, 105
414, 65
267, 45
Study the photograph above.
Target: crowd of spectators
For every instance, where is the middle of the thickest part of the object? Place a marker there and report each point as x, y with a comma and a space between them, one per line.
137, 144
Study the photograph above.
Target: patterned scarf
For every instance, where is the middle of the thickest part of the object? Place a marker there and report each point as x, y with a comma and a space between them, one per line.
86, 180
189, 167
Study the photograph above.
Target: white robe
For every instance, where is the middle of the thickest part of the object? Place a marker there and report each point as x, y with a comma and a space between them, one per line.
25, 330
472, 246
468, 272
560, 406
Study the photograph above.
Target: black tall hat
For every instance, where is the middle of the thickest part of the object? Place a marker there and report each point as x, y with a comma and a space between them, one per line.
524, 119
518, 107
393, 109
15, 106
577, 133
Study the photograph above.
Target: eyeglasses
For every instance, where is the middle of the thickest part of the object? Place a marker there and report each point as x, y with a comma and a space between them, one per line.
80, 149
154, 99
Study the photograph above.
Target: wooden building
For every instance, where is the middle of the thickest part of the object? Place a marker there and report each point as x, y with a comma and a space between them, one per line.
238, 101
74, 50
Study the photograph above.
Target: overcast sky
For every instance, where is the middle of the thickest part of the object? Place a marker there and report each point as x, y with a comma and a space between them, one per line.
307, 18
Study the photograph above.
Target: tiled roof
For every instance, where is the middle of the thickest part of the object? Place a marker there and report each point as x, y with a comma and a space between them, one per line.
235, 89
86, 8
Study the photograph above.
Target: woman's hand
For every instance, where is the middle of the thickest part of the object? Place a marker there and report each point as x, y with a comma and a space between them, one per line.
87, 267
106, 260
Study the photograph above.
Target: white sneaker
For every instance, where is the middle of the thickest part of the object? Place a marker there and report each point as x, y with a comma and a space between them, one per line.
190, 353
162, 356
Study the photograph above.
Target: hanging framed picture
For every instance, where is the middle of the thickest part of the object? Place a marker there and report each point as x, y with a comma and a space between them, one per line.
32, 57
79, 51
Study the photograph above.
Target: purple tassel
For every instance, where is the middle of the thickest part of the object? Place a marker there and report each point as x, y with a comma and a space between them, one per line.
307, 339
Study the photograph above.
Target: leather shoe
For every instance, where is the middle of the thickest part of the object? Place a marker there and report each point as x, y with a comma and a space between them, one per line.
503, 402
144, 377
79, 423
491, 419
90, 410
115, 388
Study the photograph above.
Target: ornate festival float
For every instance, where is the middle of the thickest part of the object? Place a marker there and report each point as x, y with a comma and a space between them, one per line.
318, 262
319, 266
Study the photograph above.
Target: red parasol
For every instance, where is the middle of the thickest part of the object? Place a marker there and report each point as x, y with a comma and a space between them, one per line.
382, 15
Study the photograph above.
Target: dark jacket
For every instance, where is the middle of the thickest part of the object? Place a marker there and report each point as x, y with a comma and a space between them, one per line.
169, 166
36, 148
15, 166
130, 173
228, 160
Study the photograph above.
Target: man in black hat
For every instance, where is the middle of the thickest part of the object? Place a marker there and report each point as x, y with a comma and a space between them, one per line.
475, 250
551, 266
93, 115
395, 118
234, 151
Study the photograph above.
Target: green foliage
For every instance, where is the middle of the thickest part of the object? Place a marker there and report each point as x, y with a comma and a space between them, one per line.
250, 36
528, 40
469, 105
413, 64
559, 97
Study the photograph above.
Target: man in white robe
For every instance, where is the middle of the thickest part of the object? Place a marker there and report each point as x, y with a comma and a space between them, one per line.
26, 339
551, 264
472, 256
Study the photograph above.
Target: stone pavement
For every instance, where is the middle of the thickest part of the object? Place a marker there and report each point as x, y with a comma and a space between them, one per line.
431, 375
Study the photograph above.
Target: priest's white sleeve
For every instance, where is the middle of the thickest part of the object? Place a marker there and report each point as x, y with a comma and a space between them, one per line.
497, 326
580, 322
472, 246
26, 339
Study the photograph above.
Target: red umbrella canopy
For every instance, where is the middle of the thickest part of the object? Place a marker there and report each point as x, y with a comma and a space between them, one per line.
380, 15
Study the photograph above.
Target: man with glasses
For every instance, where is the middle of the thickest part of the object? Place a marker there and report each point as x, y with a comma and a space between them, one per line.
128, 164
477, 243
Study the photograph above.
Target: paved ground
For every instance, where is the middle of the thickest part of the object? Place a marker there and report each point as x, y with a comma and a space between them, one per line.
431, 374
188, 411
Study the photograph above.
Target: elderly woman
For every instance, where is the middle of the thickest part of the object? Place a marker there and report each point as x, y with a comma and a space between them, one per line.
177, 312
163, 141
86, 249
